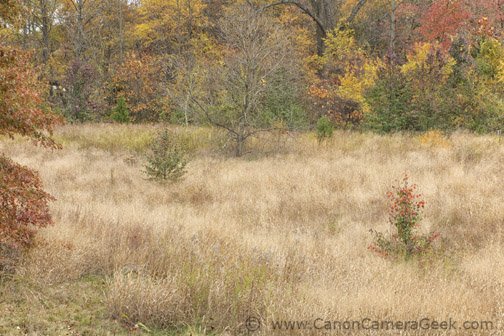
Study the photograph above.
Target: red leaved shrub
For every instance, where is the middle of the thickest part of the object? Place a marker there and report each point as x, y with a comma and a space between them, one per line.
23, 204
405, 213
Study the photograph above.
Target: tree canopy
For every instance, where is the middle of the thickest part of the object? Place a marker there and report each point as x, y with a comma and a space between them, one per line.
160, 56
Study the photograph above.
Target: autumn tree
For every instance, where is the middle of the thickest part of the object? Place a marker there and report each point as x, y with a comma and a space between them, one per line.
326, 14
9, 9
346, 73
79, 18
256, 52
92, 44
161, 56
442, 21
477, 93
139, 81
167, 26
487, 17
394, 101
39, 21
190, 67
23, 203
413, 96
188, 86
390, 100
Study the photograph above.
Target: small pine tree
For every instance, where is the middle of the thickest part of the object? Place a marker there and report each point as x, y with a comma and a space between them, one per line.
166, 160
325, 128
121, 112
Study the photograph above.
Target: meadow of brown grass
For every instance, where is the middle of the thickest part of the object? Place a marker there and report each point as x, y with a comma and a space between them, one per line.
280, 234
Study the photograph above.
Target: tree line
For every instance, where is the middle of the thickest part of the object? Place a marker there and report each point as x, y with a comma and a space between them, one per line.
254, 65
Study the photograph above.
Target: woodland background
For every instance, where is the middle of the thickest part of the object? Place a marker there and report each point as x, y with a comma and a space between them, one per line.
387, 65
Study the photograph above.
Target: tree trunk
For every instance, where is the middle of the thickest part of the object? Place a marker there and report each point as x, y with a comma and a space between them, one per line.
392, 37
319, 10
320, 36
240, 141
121, 32
79, 40
45, 28
186, 108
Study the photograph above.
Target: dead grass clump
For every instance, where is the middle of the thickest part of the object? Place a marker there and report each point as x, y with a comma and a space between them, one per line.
212, 285
434, 139
134, 298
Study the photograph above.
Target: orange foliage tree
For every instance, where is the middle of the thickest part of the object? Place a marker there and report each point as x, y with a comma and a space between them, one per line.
442, 21
23, 203
140, 81
346, 72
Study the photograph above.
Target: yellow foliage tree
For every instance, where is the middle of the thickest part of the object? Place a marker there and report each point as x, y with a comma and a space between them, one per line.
346, 72
428, 57
168, 25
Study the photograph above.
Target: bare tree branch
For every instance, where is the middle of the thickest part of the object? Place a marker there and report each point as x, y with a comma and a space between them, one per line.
355, 10
73, 4
303, 8
213, 122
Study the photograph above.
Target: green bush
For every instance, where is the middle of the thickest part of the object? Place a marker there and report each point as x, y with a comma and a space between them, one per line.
282, 103
325, 128
121, 112
488, 56
389, 99
166, 160
446, 92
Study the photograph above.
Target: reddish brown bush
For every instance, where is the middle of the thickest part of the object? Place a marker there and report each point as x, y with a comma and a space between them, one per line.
23, 204
405, 213
21, 104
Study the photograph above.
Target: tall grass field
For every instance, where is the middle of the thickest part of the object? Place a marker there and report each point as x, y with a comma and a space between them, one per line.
273, 243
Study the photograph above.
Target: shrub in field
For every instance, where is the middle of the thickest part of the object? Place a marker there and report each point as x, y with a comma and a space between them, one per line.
405, 213
23, 204
121, 112
23, 209
166, 159
325, 128
22, 109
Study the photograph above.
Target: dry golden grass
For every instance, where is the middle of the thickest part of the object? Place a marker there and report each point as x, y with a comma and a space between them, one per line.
277, 236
